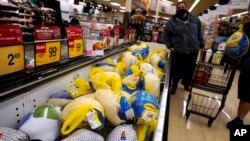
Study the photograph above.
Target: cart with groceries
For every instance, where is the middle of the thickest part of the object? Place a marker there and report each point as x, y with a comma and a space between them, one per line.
212, 80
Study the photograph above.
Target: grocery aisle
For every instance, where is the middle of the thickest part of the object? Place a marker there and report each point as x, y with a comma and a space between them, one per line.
195, 129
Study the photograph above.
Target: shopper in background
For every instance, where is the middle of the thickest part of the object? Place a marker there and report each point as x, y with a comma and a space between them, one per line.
243, 85
184, 37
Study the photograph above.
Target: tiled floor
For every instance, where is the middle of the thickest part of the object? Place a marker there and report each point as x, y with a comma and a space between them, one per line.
195, 128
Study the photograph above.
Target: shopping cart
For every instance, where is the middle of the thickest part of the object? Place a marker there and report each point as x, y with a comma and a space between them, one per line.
212, 80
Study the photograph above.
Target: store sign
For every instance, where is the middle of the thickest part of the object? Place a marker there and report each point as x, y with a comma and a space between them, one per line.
239, 4
10, 35
74, 32
106, 38
43, 32
116, 35
47, 53
12, 59
75, 43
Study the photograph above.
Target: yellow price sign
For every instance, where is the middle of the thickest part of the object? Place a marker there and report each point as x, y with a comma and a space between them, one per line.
75, 48
11, 59
47, 53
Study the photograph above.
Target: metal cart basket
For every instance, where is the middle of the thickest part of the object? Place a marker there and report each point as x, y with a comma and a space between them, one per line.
212, 80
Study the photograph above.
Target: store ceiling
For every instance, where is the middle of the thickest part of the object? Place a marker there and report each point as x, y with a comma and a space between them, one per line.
200, 7
203, 5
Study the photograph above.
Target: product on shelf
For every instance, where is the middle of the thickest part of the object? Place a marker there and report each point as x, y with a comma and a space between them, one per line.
84, 135
77, 111
106, 66
132, 83
155, 88
13, 134
42, 124
128, 59
145, 106
79, 87
157, 61
109, 99
60, 99
122, 133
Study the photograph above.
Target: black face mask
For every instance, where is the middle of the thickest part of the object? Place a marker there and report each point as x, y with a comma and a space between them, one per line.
180, 12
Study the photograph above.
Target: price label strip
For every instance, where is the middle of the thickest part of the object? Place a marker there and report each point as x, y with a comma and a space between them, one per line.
11, 59
75, 48
47, 53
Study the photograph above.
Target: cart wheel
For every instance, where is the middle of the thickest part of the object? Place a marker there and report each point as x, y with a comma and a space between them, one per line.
187, 115
210, 121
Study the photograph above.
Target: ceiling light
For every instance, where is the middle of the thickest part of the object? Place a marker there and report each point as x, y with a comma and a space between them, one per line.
165, 18
122, 7
115, 4
106, 0
169, 2
194, 4
99, 5
216, 4
122, 11
240, 14
82, 3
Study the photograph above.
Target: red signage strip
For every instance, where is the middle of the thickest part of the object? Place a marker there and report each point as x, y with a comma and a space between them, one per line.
43, 32
74, 32
10, 35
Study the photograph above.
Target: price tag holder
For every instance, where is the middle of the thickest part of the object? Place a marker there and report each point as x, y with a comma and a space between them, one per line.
47, 53
12, 59
99, 52
75, 48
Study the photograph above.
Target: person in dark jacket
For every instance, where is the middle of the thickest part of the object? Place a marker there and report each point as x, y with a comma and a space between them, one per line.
184, 37
243, 85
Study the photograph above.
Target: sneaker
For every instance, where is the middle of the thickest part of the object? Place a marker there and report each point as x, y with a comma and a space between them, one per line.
236, 121
186, 87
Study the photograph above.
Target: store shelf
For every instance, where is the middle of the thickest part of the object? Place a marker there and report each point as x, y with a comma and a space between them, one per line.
54, 72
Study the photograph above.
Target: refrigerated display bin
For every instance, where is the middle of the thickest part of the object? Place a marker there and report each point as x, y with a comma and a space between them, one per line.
22, 100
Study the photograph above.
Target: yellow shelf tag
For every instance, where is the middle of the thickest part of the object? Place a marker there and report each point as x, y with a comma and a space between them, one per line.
47, 53
75, 48
11, 59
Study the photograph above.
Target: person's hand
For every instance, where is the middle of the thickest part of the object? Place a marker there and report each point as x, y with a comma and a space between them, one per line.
172, 49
